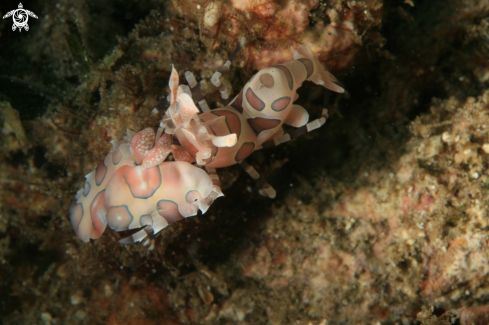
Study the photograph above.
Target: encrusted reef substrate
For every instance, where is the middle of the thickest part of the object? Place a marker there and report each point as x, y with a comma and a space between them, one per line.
398, 239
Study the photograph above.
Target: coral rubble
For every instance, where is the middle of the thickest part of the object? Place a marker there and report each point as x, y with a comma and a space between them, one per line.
271, 27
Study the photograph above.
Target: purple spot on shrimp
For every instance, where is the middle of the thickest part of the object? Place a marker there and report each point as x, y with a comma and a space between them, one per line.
260, 124
280, 104
143, 183
116, 156
254, 101
119, 218
86, 188
76, 215
100, 173
288, 75
267, 80
97, 214
308, 65
245, 150
146, 220
168, 210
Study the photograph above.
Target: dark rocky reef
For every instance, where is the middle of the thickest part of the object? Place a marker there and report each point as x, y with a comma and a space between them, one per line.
380, 215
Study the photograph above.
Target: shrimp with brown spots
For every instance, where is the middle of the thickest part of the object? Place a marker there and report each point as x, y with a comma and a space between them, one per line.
254, 118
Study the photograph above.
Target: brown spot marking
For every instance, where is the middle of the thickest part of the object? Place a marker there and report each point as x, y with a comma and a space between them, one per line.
97, 211
86, 188
280, 104
116, 156
288, 75
259, 124
76, 214
254, 101
142, 183
308, 65
146, 220
238, 103
267, 80
119, 218
232, 121
193, 196
245, 150
100, 173
168, 210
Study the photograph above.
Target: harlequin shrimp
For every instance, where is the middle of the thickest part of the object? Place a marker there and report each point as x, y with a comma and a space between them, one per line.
253, 120
134, 187
130, 190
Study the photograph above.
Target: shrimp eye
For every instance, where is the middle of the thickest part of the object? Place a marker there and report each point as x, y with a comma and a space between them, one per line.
193, 197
